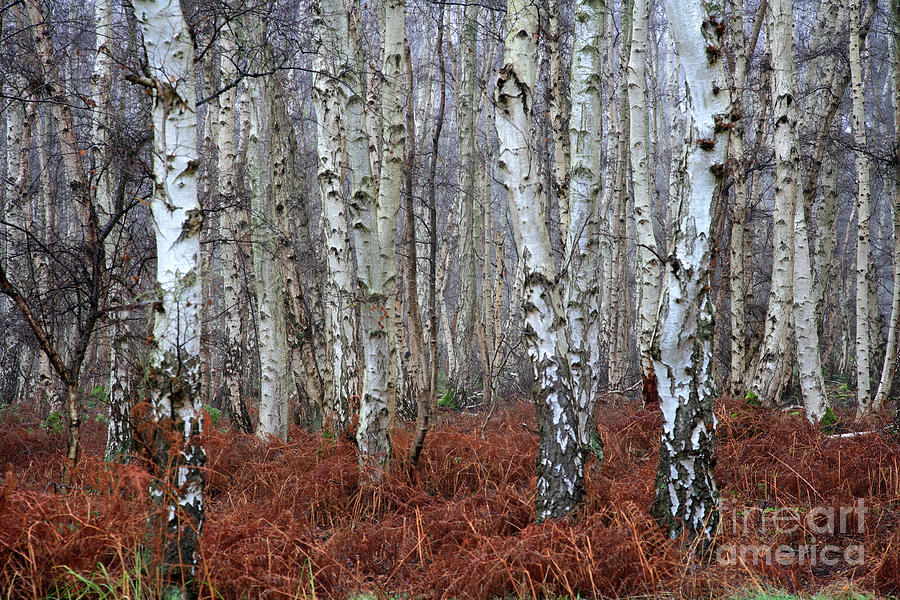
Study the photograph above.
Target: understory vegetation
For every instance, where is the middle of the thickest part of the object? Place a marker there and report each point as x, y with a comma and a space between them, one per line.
291, 520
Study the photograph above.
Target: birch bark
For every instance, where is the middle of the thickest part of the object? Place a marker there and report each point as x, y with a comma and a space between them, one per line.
379, 339
739, 223
232, 232
340, 293
773, 367
620, 313
303, 338
559, 112
367, 218
890, 357
560, 463
118, 433
267, 215
428, 401
582, 289
685, 489
647, 263
858, 55
85, 216
467, 117
174, 375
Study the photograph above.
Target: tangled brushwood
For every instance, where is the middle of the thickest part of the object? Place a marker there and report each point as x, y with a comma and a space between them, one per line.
290, 519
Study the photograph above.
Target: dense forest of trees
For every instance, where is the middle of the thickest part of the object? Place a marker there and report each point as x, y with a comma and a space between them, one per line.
336, 213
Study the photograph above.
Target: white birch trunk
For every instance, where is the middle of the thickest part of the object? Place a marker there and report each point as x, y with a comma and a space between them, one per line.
620, 313
231, 231
46, 386
274, 407
788, 181
685, 489
560, 466
647, 263
379, 341
467, 117
739, 212
118, 434
809, 357
559, 108
890, 357
604, 220
174, 376
372, 433
341, 322
303, 340
858, 55
773, 367
586, 171
12, 196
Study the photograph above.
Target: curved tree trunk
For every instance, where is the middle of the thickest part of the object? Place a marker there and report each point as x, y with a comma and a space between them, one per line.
84, 212
428, 400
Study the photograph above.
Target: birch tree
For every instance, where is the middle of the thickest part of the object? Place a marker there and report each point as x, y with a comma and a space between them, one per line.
806, 334
619, 304
467, 118
373, 222
890, 357
302, 337
428, 402
85, 216
561, 457
773, 366
173, 376
118, 433
585, 125
266, 215
685, 489
330, 137
376, 405
741, 295
17, 134
858, 55
231, 230
647, 262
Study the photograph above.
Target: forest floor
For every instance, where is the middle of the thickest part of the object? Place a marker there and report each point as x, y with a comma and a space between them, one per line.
290, 520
